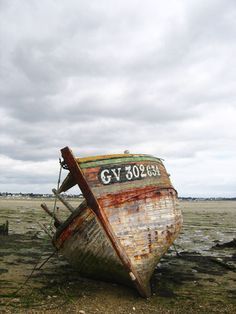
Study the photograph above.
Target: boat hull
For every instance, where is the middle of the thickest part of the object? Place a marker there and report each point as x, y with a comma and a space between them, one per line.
83, 242
130, 219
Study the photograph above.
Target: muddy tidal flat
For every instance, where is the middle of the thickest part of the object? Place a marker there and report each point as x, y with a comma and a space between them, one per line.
197, 275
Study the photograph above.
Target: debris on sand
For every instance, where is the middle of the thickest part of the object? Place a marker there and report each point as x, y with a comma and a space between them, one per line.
231, 244
4, 228
222, 263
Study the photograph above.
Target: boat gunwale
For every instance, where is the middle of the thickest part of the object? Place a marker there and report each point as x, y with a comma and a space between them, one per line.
94, 159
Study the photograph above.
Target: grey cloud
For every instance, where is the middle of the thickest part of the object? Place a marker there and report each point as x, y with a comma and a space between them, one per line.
103, 77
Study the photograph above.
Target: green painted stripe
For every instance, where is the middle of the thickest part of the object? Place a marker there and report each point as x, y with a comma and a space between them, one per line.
93, 164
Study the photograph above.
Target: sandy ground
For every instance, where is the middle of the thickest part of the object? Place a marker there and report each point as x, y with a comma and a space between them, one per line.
200, 279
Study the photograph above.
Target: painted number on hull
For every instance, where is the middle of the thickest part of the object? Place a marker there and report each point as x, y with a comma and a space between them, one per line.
124, 173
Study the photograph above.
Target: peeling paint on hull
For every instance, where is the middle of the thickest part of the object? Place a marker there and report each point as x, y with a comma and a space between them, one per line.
130, 218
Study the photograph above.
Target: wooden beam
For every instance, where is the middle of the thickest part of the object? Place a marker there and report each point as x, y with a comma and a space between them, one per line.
45, 229
67, 205
93, 203
58, 222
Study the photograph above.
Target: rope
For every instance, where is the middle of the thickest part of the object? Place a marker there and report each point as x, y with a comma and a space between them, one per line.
58, 184
33, 270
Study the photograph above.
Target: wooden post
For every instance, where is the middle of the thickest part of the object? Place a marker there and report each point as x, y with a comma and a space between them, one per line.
4, 228
67, 205
58, 222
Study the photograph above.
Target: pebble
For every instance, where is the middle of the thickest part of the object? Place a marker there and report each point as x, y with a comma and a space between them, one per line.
81, 312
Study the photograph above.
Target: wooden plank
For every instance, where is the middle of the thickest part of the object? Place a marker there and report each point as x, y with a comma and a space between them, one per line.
113, 156
76, 171
67, 205
93, 177
85, 244
146, 222
124, 159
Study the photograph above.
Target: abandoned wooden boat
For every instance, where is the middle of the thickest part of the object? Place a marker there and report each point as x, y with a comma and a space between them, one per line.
128, 220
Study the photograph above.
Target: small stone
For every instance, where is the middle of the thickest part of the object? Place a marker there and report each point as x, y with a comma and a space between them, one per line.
81, 312
15, 300
134, 308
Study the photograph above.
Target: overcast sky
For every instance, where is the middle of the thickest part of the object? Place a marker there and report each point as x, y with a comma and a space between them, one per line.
155, 77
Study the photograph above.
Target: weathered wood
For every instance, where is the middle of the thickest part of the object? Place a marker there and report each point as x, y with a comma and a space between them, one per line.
92, 175
58, 222
131, 205
94, 205
85, 244
67, 204
123, 159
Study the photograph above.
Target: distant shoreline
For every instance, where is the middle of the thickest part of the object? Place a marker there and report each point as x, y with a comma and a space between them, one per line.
207, 198
9, 195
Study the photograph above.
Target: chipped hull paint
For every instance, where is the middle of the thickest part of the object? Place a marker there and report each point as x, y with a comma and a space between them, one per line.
131, 219
84, 244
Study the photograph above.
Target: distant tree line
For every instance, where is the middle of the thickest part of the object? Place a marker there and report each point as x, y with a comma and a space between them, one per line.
36, 195
207, 198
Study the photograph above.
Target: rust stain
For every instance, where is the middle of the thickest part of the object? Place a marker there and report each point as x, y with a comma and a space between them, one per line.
136, 194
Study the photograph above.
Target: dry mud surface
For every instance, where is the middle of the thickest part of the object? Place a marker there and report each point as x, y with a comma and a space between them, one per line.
200, 279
